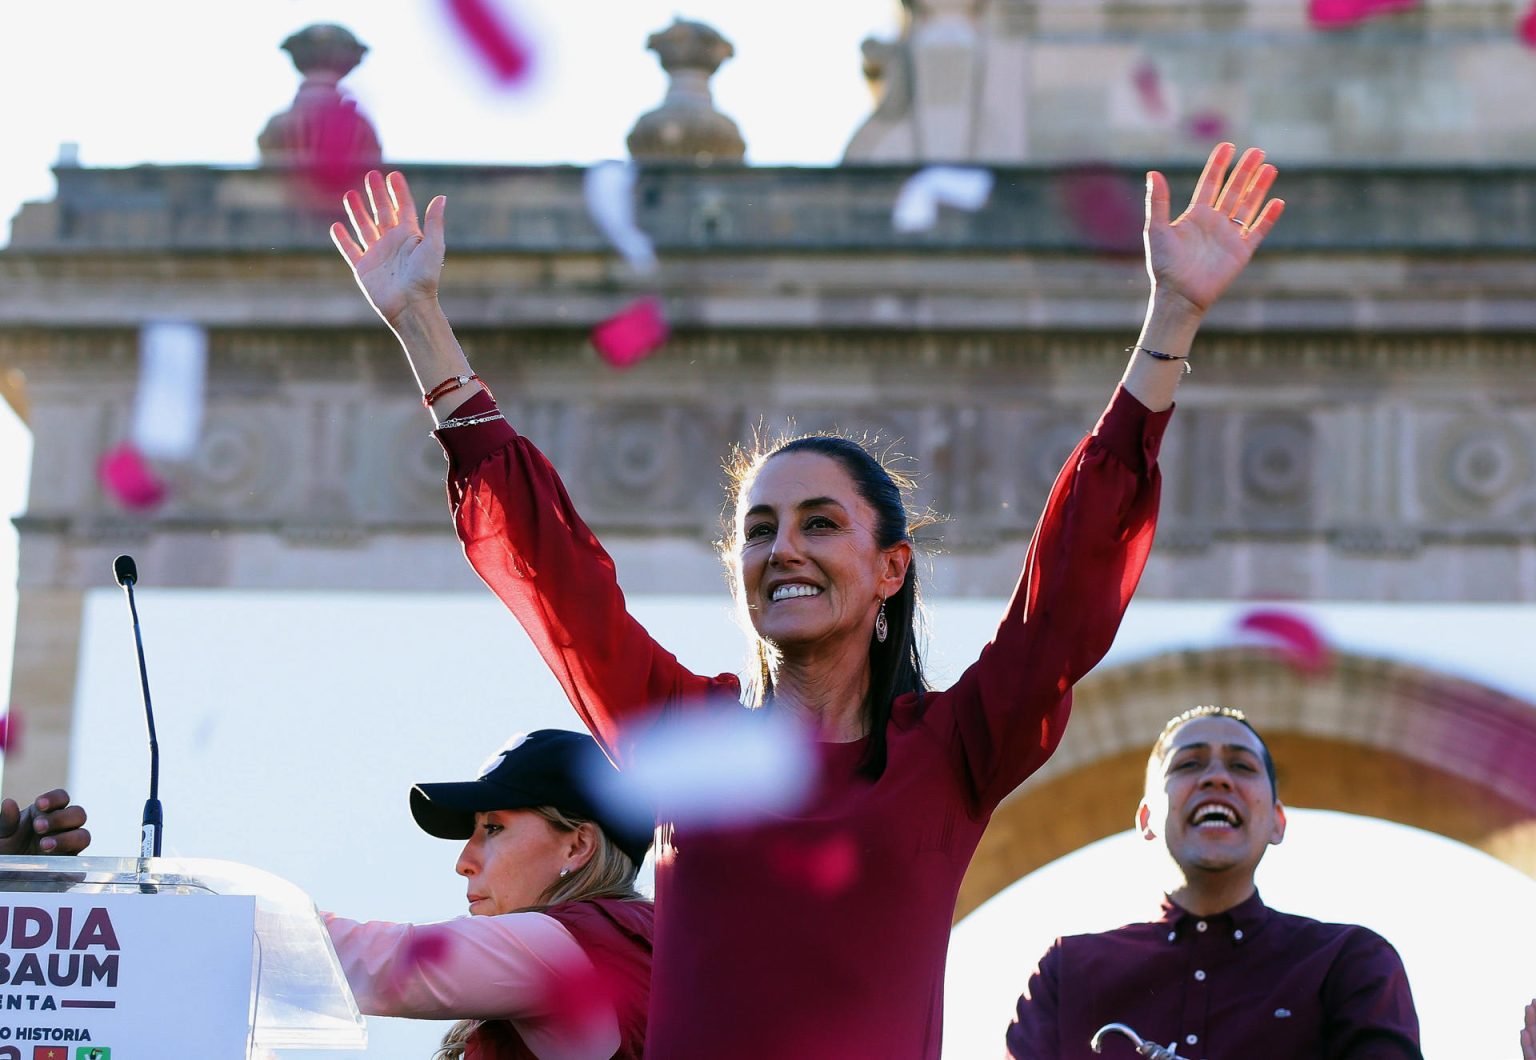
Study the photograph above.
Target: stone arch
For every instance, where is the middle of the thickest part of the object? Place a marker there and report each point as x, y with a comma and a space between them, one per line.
1361, 735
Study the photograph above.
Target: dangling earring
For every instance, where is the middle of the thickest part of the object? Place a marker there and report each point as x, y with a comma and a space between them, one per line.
882, 627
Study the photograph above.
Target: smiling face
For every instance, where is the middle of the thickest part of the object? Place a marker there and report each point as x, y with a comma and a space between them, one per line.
512, 860
1211, 802
812, 571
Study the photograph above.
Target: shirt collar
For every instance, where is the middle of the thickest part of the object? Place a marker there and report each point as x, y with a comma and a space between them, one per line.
1243, 920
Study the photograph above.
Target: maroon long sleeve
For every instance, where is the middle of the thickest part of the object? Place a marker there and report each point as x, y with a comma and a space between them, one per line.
1249, 983
822, 934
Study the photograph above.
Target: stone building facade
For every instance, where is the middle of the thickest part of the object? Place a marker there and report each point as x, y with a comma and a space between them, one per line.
1000, 81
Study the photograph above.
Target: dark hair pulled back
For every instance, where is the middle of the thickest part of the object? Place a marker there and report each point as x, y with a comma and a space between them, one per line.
896, 664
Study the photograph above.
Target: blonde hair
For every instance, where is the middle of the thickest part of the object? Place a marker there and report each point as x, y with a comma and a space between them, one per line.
608, 873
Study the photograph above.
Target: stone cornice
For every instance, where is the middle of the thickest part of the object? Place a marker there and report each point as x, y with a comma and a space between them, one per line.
793, 293
155, 210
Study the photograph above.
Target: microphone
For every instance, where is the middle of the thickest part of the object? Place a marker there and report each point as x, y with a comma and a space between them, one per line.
126, 572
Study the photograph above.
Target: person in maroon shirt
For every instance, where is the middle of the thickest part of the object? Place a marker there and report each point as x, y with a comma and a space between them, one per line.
822, 932
1528, 1034
1218, 975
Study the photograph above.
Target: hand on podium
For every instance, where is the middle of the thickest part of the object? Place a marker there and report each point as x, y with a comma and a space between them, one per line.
49, 825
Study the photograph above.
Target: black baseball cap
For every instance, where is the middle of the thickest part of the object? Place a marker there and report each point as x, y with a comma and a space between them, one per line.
547, 767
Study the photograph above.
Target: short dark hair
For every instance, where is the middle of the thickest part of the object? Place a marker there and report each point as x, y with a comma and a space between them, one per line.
1160, 747
896, 664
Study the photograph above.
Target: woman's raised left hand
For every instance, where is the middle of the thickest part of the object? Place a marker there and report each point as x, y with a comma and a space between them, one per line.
1195, 256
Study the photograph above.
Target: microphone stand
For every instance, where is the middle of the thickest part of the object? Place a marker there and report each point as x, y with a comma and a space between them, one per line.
126, 572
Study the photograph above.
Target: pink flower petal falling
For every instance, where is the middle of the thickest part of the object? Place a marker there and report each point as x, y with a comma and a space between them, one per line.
632, 334
1330, 14
1528, 27
1297, 640
823, 867
10, 732
127, 478
1105, 208
1206, 125
582, 995
498, 45
427, 948
337, 151
1149, 89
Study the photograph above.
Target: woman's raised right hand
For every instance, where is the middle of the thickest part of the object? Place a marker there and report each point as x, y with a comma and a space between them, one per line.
397, 261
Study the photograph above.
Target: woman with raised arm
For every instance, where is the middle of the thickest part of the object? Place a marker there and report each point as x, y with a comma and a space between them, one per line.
823, 933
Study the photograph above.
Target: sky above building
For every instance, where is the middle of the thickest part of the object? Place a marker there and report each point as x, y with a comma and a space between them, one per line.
177, 81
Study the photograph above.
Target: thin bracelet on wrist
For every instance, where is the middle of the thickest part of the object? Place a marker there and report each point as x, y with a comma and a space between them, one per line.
449, 385
469, 421
1161, 356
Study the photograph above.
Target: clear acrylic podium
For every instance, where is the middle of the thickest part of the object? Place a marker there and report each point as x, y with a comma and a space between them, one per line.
299, 997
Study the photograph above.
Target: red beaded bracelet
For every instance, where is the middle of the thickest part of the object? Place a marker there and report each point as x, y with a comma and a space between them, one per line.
448, 386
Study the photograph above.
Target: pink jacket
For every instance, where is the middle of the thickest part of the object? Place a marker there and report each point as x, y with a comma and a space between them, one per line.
568, 984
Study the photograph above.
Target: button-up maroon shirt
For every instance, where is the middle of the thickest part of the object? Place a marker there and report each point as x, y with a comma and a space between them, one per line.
1248, 984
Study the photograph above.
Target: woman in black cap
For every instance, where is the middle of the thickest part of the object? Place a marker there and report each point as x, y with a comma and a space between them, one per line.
554, 960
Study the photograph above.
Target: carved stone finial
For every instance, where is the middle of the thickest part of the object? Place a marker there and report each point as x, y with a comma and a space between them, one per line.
322, 130
325, 47
686, 127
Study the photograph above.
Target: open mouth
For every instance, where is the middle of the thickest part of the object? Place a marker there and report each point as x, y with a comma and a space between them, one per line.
1215, 816
790, 592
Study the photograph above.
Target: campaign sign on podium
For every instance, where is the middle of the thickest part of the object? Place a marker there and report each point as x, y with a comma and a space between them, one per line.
164, 959
103, 975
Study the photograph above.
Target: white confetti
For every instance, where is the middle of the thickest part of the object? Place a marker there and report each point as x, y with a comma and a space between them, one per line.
720, 766
514, 741
918, 202
610, 192
168, 408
